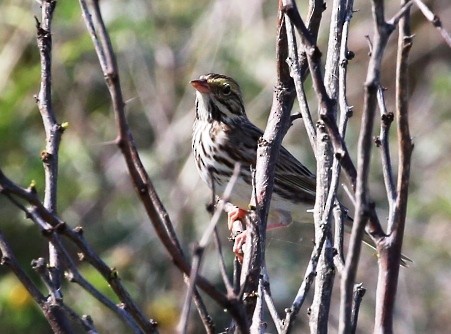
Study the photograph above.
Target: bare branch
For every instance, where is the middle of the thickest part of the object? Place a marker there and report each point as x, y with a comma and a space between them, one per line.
267, 296
309, 277
44, 271
9, 259
41, 267
53, 313
435, 20
390, 249
359, 292
267, 153
257, 324
250, 271
85, 320
340, 216
382, 142
140, 179
53, 130
364, 206
199, 251
296, 74
326, 183
345, 56
222, 266
39, 212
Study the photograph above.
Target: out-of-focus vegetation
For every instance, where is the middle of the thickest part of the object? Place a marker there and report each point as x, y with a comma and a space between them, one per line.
160, 46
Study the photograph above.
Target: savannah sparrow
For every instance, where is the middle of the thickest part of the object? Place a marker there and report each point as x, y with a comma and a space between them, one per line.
223, 135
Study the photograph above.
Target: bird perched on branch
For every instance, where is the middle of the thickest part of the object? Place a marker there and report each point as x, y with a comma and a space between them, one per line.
223, 135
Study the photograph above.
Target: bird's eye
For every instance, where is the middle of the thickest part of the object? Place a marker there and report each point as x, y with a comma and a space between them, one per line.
226, 90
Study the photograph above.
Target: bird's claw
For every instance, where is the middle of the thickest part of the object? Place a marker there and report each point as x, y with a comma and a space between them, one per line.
239, 240
234, 215
236, 227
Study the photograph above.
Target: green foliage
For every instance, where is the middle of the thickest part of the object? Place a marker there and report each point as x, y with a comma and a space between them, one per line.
18, 311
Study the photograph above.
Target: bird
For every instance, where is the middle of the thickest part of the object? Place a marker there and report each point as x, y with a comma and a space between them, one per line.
223, 135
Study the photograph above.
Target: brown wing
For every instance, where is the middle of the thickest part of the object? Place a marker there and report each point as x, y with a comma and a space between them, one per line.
292, 179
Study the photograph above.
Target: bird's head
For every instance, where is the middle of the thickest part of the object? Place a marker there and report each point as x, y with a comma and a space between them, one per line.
218, 98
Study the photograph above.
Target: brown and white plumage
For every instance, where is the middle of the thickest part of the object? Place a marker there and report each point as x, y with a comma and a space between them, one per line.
223, 135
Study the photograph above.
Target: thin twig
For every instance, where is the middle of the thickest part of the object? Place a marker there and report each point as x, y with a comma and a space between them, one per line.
222, 266
53, 312
267, 296
9, 259
73, 275
345, 112
257, 324
326, 90
359, 292
44, 271
53, 130
200, 248
345, 56
402, 11
382, 142
191, 281
204, 315
39, 212
435, 20
111, 276
309, 277
41, 267
85, 320
339, 217
296, 73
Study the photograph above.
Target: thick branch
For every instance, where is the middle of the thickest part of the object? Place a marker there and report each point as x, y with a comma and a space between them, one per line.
268, 150
390, 249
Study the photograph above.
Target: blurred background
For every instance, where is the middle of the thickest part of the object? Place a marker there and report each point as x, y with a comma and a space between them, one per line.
160, 46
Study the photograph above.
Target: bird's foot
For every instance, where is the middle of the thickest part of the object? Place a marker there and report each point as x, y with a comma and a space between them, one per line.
234, 215
235, 225
237, 249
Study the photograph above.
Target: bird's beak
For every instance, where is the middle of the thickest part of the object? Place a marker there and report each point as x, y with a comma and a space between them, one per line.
201, 85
